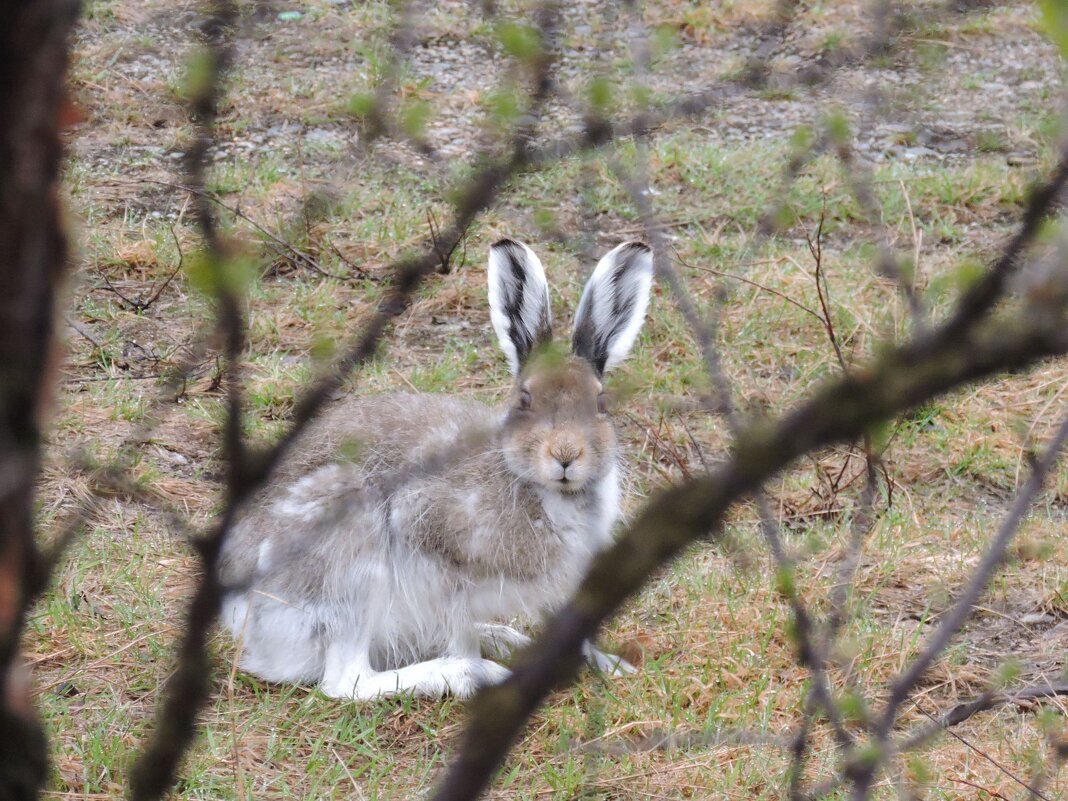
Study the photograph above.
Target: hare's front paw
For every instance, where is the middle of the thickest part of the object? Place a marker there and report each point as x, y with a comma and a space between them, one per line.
486, 673
608, 664
499, 641
431, 679
461, 678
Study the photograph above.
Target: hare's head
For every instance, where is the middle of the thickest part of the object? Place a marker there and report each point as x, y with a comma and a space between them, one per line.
557, 432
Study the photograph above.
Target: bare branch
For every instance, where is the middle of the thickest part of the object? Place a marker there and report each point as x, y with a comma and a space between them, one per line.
960, 611
187, 689
972, 344
189, 686
962, 712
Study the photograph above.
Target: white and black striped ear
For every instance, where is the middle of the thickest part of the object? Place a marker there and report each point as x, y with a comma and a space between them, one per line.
519, 300
613, 304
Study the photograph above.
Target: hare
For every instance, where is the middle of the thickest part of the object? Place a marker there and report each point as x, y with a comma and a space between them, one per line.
402, 526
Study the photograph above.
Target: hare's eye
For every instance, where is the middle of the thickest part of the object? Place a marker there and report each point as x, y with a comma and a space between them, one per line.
602, 404
524, 400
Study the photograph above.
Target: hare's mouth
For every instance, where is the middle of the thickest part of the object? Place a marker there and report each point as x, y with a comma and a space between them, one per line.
569, 475
568, 485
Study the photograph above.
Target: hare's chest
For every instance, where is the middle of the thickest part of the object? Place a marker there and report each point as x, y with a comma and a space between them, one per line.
570, 519
584, 521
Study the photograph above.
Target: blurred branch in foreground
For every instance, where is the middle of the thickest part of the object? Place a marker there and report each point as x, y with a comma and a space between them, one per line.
34, 46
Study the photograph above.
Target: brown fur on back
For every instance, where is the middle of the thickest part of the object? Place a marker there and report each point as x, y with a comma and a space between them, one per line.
368, 438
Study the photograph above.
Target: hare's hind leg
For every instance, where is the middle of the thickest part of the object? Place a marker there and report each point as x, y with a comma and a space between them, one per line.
276, 641
347, 671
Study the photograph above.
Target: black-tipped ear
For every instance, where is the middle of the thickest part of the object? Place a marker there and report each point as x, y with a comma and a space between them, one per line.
613, 304
519, 301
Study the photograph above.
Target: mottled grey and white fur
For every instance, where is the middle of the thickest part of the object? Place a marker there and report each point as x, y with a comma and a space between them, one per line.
402, 533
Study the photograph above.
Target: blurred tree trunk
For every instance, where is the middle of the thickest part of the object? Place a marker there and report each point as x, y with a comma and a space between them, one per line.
34, 42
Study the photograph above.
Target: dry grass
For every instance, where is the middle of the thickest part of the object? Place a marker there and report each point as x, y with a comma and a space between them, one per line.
710, 633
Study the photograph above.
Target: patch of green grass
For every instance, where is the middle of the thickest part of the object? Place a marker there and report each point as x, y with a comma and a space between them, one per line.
991, 141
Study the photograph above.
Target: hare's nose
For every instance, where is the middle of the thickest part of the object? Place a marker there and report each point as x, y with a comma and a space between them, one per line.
566, 456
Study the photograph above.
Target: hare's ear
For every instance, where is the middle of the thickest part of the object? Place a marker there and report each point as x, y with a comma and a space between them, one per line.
612, 308
519, 301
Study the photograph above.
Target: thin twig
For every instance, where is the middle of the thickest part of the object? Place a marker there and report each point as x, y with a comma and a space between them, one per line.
816, 249
751, 282
992, 559
188, 688
177, 269
203, 194
987, 790
965, 711
975, 749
